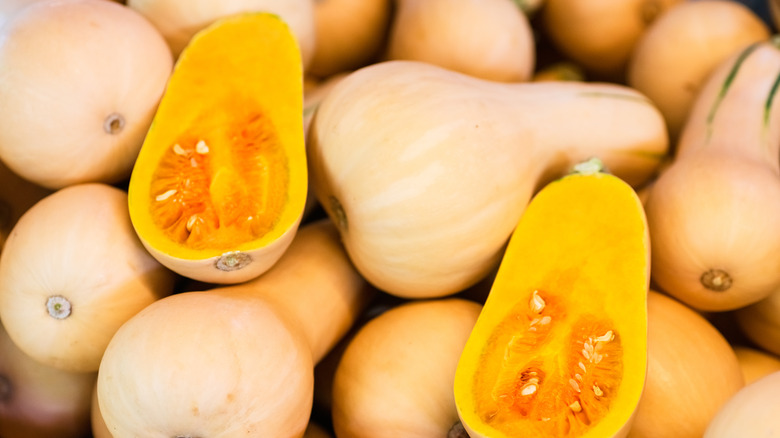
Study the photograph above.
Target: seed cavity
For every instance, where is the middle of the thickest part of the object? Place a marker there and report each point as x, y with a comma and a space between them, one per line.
58, 306
536, 303
165, 195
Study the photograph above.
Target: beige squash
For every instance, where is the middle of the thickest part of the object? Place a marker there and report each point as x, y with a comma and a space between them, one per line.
760, 322
692, 371
396, 375
713, 212
489, 39
39, 401
349, 34
687, 43
86, 122
756, 363
600, 35
72, 272
179, 20
750, 412
234, 361
426, 186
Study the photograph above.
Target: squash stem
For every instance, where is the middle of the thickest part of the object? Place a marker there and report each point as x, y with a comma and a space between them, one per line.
716, 280
589, 167
58, 306
114, 123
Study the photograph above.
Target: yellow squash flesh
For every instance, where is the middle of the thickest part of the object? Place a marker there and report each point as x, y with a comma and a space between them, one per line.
560, 347
220, 184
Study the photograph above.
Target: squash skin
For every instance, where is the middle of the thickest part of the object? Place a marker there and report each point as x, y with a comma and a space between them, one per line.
582, 245
117, 82
395, 375
750, 412
712, 212
687, 43
265, 76
692, 371
98, 266
760, 322
454, 34
178, 21
400, 149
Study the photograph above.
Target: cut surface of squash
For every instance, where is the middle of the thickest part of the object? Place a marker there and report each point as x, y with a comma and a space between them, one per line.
560, 347
222, 169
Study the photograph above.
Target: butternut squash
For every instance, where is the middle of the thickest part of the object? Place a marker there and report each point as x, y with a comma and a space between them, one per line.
756, 363
750, 412
560, 346
691, 372
233, 361
86, 122
713, 212
219, 186
760, 322
395, 376
179, 20
426, 171
686, 43
489, 39
600, 35
349, 34
72, 272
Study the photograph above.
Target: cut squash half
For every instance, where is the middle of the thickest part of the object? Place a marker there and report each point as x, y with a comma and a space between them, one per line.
218, 189
560, 347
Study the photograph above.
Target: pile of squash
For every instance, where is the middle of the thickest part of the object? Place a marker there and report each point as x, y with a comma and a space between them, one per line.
389, 218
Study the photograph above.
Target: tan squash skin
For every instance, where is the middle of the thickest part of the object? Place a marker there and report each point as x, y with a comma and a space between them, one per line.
455, 34
349, 34
756, 363
750, 412
692, 371
116, 81
234, 361
713, 213
600, 34
686, 43
426, 187
760, 322
395, 377
179, 20
38, 401
97, 271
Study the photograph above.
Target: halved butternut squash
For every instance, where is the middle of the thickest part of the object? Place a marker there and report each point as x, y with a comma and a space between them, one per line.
220, 184
560, 347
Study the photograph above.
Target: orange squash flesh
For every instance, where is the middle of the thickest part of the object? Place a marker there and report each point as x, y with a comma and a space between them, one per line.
560, 348
223, 168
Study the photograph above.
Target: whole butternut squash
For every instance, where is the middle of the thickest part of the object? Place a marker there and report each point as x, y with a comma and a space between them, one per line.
750, 412
713, 212
490, 39
426, 171
760, 322
233, 361
686, 43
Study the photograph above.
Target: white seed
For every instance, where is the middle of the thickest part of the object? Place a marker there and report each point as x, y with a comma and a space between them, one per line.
178, 150
576, 407
537, 303
191, 222
585, 353
165, 195
582, 366
193, 163
546, 320
606, 337
596, 358
588, 346
578, 377
597, 391
574, 385
528, 389
202, 147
